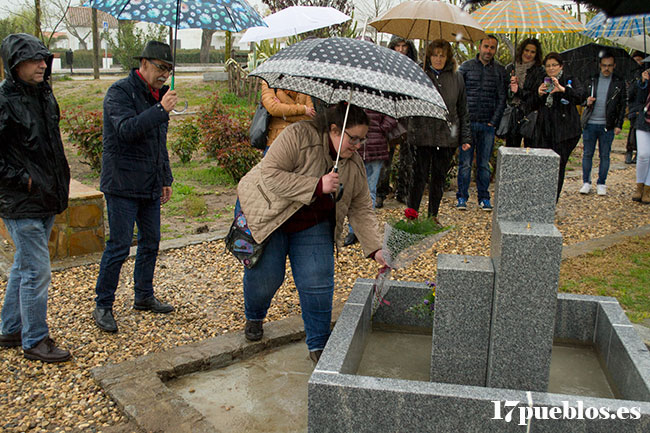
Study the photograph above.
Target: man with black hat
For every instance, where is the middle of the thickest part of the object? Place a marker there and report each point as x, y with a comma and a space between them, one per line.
136, 178
34, 186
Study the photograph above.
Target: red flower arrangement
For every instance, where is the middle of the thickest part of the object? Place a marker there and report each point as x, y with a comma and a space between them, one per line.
411, 214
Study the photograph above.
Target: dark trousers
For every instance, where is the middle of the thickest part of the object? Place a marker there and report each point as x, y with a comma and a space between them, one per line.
431, 163
383, 184
563, 149
122, 214
631, 138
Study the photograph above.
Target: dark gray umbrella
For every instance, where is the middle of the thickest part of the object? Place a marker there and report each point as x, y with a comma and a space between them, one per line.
583, 61
360, 72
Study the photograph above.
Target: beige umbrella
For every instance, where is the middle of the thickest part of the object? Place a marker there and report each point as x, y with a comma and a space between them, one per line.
429, 20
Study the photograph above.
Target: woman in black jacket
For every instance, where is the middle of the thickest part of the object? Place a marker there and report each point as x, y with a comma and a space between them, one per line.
525, 74
558, 122
434, 143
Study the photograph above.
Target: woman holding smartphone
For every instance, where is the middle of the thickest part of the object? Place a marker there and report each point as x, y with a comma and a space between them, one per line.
558, 123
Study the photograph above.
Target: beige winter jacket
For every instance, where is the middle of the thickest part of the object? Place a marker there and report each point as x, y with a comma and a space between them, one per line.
287, 177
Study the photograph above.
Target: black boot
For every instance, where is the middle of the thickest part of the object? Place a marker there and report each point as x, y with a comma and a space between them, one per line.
628, 157
379, 202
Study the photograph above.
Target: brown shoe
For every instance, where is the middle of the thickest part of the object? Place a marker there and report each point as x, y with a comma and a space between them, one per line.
47, 351
10, 340
315, 356
638, 193
646, 194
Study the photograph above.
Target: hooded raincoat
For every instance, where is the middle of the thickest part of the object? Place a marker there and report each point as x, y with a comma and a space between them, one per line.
30, 139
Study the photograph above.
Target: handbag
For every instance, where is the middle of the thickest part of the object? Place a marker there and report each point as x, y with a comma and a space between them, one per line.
527, 125
586, 115
241, 244
396, 135
507, 121
259, 127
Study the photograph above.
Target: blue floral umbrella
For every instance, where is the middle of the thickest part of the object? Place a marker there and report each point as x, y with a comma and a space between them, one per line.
229, 15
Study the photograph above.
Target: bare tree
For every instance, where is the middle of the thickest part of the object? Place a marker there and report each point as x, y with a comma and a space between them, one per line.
95, 32
43, 17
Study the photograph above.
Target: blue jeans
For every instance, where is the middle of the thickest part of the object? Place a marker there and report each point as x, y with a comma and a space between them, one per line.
122, 213
373, 169
483, 144
311, 253
590, 135
25, 303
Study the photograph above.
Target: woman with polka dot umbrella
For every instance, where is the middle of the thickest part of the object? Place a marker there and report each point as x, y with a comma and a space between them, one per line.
356, 71
229, 15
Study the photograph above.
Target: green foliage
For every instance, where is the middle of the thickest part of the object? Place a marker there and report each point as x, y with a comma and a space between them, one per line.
207, 176
195, 206
21, 22
425, 308
85, 129
224, 133
187, 140
238, 159
81, 59
130, 41
419, 226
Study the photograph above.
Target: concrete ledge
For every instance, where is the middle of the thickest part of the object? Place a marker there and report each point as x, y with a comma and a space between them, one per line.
138, 386
341, 401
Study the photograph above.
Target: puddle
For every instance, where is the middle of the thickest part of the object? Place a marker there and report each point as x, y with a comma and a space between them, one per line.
266, 393
396, 354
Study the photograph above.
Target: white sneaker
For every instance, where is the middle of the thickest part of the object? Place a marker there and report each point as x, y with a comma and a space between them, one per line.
586, 188
601, 189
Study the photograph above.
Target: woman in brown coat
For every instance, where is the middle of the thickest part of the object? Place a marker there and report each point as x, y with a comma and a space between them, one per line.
285, 107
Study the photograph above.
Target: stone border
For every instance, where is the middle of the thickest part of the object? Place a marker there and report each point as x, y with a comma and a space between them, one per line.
341, 401
138, 386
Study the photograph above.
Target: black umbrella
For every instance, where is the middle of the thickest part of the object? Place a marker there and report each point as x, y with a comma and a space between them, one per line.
617, 8
360, 72
582, 62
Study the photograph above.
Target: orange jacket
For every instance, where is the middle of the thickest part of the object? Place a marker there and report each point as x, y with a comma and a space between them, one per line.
285, 108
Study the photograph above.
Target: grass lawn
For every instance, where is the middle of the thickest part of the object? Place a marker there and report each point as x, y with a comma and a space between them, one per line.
621, 271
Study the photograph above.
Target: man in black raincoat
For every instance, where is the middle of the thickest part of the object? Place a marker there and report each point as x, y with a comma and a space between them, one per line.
136, 178
34, 186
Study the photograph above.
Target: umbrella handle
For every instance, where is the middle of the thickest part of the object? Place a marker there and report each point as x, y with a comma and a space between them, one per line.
175, 111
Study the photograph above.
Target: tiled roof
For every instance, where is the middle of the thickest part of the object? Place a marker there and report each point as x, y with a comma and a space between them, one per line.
81, 17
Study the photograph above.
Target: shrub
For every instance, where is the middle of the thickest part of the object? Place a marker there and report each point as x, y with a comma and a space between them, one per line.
85, 129
238, 159
187, 140
221, 128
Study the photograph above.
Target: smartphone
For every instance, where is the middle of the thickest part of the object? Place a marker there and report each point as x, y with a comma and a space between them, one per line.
549, 84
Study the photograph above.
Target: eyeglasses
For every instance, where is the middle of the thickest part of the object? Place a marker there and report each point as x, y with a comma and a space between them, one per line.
163, 68
356, 140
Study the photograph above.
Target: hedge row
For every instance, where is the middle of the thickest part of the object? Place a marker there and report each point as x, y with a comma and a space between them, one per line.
84, 58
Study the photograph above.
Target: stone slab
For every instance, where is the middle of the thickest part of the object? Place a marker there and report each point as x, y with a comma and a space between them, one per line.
215, 76
526, 185
461, 323
527, 260
79, 191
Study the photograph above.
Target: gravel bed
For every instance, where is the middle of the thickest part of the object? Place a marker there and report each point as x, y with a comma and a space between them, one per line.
204, 284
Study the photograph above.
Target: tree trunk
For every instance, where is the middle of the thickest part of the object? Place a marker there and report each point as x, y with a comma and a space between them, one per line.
95, 44
228, 47
206, 38
83, 45
37, 18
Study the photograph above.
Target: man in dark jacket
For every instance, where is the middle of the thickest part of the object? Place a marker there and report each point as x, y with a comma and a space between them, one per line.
485, 82
136, 178
606, 105
34, 186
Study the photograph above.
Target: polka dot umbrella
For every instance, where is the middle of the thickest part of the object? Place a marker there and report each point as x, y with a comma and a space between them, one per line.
360, 72
229, 15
